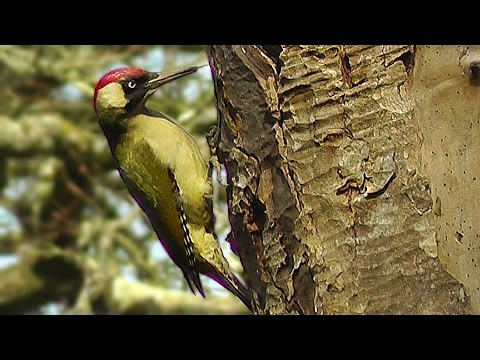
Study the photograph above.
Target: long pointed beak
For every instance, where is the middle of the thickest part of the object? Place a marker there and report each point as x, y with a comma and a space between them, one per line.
164, 77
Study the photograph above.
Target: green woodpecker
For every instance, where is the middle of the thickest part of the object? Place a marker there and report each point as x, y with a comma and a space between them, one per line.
165, 173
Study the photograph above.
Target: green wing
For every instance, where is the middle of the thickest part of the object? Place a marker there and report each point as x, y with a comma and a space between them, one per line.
154, 187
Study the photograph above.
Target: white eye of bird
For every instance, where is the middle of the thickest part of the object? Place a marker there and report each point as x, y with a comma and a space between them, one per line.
132, 84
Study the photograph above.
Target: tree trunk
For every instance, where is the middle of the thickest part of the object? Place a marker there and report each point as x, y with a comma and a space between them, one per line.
351, 175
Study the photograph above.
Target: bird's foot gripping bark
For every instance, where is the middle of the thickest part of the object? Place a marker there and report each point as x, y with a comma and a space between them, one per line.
212, 137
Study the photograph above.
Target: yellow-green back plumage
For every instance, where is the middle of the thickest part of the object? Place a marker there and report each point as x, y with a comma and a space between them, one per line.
149, 146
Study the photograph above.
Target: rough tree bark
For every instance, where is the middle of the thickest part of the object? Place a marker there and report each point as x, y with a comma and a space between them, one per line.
351, 173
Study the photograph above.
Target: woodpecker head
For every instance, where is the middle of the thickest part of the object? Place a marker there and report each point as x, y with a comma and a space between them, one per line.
124, 91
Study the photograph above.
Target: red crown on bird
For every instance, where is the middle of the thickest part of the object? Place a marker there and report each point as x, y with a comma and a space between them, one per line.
115, 76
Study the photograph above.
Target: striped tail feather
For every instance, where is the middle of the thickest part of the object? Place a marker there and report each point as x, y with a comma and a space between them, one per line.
232, 284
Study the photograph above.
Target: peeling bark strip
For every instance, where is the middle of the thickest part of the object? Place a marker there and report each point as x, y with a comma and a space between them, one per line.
328, 204
262, 219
